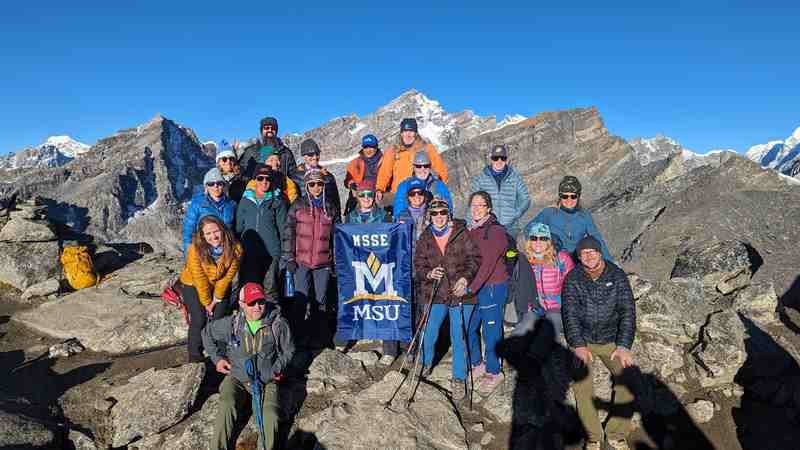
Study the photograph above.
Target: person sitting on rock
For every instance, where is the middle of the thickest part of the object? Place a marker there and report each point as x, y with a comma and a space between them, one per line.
310, 152
212, 262
509, 192
228, 166
267, 144
599, 318
260, 223
568, 222
397, 160
490, 284
307, 250
422, 172
211, 201
446, 257
363, 168
256, 332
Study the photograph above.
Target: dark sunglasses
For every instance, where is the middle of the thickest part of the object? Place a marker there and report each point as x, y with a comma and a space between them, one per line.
215, 183
366, 194
227, 158
539, 238
422, 166
441, 212
568, 196
261, 302
416, 194
499, 158
263, 178
316, 184
267, 127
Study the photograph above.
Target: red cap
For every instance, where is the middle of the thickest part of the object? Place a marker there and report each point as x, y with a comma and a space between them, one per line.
365, 185
252, 292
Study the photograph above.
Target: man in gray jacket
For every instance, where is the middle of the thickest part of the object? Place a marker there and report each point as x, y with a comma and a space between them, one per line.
256, 331
510, 197
599, 318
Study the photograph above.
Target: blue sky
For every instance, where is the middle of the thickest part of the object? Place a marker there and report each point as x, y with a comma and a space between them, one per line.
720, 75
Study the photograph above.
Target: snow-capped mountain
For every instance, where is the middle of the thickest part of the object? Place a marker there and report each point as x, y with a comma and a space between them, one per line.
649, 150
54, 152
783, 156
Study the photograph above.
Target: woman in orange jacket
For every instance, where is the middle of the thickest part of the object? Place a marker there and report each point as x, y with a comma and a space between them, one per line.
212, 262
398, 159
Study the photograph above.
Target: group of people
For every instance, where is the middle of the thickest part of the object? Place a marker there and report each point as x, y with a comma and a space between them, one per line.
264, 223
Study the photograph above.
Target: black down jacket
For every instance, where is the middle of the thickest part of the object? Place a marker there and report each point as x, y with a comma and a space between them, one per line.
598, 312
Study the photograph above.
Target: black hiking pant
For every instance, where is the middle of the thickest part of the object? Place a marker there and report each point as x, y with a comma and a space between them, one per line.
198, 317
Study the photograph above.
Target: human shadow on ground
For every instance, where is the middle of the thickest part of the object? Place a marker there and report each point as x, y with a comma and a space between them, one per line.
790, 302
767, 416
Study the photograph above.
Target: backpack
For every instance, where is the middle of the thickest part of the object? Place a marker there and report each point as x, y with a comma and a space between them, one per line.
172, 297
78, 267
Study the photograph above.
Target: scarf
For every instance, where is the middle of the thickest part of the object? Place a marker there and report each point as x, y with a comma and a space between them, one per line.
596, 272
442, 232
473, 224
316, 202
216, 252
416, 213
536, 258
498, 176
364, 216
371, 165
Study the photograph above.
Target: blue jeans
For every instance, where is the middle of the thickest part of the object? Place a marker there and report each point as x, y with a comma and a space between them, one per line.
435, 319
491, 301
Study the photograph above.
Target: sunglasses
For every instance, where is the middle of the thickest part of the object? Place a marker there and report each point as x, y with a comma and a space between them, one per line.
568, 196
499, 158
366, 194
215, 184
422, 166
227, 158
261, 302
311, 155
267, 127
539, 238
441, 212
263, 178
316, 184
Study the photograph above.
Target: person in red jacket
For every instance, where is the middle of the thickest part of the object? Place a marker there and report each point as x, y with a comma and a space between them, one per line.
308, 250
364, 168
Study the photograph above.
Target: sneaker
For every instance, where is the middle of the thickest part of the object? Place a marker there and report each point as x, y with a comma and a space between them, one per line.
490, 382
386, 360
478, 371
618, 444
457, 389
593, 445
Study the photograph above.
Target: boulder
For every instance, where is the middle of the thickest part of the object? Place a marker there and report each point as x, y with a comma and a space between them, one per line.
152, 401
123, 314
42, 289
28, 211
758, 303
20, 431
720, 352
81, 441
363, 421
368, 358
23, 264
336, 369
24, 230
701, 411
724, 266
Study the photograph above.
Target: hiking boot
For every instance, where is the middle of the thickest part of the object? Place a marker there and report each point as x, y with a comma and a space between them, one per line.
593, 445
478, 371
386, 360
490, 382
457, 389
618, 444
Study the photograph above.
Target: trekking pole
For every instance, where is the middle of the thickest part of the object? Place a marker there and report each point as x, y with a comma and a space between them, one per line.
415, 342
466, 354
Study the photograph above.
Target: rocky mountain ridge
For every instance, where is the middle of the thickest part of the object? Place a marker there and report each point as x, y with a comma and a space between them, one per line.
54, 152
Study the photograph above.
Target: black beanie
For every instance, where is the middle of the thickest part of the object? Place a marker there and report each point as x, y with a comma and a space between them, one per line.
569, 184
269, 121
309, 147
408, 124
588, 243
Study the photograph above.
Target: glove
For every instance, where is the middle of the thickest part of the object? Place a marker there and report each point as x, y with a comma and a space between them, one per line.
291, 267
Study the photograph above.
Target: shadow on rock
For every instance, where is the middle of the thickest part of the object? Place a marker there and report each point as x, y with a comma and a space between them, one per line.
768, 413
790, 301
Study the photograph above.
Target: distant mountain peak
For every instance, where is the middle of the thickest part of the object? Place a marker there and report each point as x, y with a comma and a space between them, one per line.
781, 155
53, 152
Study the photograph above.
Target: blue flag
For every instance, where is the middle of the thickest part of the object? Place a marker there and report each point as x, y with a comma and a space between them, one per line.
373, 269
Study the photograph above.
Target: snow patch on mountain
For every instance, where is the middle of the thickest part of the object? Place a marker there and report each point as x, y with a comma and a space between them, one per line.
54, 152
781, 155
658, 148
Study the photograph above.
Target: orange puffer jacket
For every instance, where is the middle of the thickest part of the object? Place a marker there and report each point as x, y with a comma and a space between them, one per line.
210, 280
398, 164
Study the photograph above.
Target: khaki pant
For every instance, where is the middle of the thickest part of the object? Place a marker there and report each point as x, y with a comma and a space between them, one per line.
234, 399
622, 408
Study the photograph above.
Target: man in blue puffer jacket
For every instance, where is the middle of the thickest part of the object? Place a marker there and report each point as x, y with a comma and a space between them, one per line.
211, 201
510, 196
422, 172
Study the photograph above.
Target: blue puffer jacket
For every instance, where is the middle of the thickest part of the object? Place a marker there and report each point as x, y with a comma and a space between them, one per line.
570, 227
202, 206
434, 185
510, 197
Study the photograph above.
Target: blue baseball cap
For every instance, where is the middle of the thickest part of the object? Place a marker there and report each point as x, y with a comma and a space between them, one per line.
369, 141
539, 230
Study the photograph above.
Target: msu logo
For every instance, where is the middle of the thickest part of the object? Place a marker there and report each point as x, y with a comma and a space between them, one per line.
369, 276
